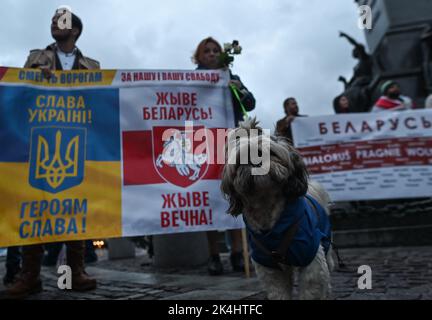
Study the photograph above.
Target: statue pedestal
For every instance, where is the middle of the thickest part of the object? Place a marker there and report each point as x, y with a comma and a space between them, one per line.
180, 250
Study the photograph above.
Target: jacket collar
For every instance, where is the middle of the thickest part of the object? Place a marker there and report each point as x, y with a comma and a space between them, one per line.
291, 213
53, 47
79, 56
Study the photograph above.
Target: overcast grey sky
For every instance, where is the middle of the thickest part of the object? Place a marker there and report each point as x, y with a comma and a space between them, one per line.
290, 47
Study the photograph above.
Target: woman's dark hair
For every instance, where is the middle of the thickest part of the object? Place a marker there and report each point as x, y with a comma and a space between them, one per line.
336, 104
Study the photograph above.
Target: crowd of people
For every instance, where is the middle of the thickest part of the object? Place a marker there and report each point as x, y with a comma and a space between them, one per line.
391, 99
23, 264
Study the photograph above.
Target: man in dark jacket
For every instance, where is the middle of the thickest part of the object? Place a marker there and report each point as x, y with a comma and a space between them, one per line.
283, 126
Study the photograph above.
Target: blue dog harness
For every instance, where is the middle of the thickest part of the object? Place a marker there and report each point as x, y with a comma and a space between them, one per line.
294, 240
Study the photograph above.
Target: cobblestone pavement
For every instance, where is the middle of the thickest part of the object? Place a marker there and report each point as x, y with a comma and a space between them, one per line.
397, 273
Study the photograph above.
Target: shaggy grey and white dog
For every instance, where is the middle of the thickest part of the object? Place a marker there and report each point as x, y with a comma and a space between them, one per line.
263, 200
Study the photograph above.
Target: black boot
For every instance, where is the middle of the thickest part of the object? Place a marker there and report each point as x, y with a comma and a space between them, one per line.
10, 276
90, 255
237, 261
13, 265
214, 266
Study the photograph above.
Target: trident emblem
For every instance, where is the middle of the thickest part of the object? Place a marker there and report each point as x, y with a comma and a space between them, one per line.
54, 163
56, 170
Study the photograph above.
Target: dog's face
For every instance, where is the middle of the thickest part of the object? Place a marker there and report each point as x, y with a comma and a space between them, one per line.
287, 177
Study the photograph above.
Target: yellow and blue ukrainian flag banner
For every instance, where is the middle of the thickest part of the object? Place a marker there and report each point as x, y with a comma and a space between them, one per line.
60, 170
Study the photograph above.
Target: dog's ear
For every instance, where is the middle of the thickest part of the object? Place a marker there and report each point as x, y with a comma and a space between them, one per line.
229, 191
297, 183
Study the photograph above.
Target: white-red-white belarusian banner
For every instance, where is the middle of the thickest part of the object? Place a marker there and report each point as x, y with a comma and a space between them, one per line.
173, 134
368, 155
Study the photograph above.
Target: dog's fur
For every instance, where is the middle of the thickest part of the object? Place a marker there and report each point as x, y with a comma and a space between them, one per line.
261, 199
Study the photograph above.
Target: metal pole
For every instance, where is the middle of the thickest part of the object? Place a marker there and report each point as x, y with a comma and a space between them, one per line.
245, 252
